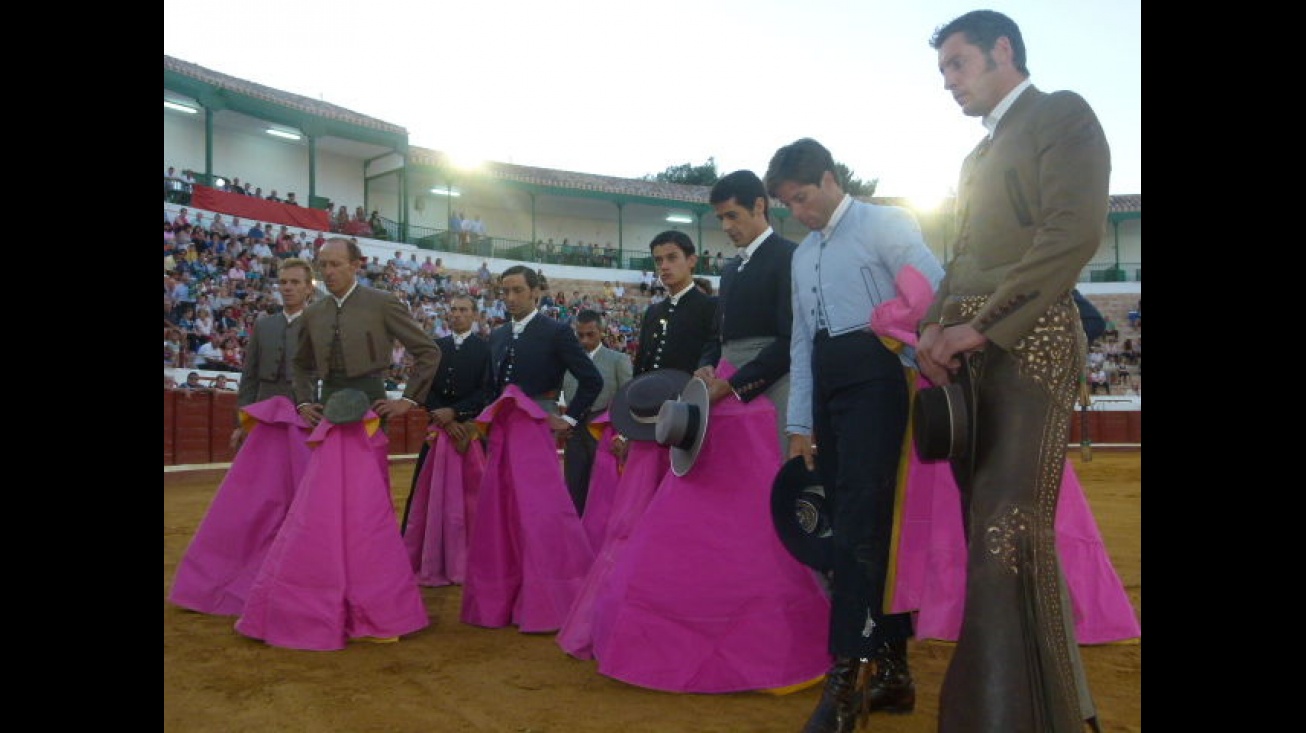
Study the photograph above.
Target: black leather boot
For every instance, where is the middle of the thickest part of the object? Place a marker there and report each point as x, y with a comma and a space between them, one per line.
890, 688
838, 709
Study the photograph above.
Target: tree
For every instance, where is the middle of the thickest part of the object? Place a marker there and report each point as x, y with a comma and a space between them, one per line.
688, 174
853, 185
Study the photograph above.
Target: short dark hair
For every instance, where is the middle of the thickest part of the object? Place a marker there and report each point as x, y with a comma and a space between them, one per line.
532, 278
672, 236
590, 316
744, 187
983, 28
803, 161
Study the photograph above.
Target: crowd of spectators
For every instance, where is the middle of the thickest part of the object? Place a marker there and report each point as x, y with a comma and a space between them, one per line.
177, 188
220, 276
1115, 366
217, 285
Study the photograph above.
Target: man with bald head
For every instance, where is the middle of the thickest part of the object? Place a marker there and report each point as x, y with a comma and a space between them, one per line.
346, 340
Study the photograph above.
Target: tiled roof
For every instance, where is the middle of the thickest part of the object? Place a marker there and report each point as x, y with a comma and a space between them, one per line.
1126, 203
298, 102
571, 179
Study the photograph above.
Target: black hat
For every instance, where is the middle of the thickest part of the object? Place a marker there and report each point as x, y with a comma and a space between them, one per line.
682, 425
346, 406
801, 514
940, 422
635, 406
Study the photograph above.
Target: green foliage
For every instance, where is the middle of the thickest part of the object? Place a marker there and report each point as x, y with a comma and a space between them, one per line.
706, 175
688, 174
853, 185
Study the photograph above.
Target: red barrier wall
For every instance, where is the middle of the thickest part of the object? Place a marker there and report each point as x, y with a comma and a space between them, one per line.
169, 425
223, 421
197, 427
193, 423
260, 210
1108, 426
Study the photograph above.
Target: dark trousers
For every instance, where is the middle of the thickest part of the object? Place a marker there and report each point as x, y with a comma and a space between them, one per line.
577, 463
860, 407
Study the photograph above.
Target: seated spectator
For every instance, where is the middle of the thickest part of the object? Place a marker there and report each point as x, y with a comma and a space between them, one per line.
1097, 380
220, 383
192, 382
233, 354
290, 199
174, 347
255, 233
374, 221
273, 196
209, 354
168, 381
341, 219
357, 226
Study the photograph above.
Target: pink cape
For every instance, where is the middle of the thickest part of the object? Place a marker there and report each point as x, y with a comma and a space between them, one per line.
529, 553
443, 510
703, 597
646, 464
931, 570
603, 481
337, 569
215, 574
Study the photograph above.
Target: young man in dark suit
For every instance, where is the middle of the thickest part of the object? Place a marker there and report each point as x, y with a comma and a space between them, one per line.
458, 394
754, 312
528, 553
675, 330
533, 352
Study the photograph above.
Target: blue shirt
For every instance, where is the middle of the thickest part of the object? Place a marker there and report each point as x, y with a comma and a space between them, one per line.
839, 275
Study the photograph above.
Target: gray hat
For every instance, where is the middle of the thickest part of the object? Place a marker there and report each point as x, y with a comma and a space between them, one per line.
682, 425
636, 404
346, 406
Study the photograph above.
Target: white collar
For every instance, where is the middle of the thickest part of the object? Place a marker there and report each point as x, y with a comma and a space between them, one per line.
992, 119
747, 252
340, 302
519, 326
676, 298
839, 211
